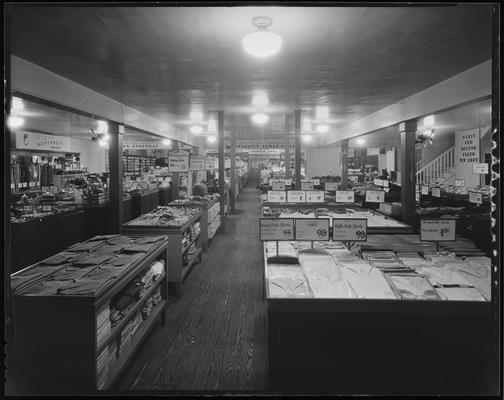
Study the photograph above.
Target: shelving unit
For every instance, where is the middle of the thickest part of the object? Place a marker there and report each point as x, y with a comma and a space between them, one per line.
177, 271
57, 335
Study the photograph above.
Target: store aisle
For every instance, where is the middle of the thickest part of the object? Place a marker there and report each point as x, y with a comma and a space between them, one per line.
215, 337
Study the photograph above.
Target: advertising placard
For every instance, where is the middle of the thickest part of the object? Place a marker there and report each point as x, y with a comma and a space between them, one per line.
296, 196
277, 229
345, 196
312, 229
437, 230
350, 230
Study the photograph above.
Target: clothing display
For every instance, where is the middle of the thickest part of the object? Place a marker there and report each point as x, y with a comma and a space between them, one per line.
287, 281
166, 216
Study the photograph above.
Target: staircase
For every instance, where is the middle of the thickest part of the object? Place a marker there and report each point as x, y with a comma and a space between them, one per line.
439, 171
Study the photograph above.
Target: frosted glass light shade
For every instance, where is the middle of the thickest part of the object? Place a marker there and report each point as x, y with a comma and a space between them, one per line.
262, 43
322, 128
260, 118
196, 129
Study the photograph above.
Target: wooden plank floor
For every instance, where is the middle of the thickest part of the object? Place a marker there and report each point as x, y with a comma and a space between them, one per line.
215, 337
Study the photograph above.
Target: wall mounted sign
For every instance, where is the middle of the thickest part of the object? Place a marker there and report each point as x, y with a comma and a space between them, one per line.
459, 182
197, 164
312, 229
436, 192
178, 163
480, 168
437, 230
425, 190
345, 196
280, 185
314, 196
145, 146
276, 196
307, 185
331, 186
40, 141
350, 230
475, 197
375, 196
351, 152
276, 229
296, 196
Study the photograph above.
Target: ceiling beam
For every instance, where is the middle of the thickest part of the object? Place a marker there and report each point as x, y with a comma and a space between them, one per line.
468, 86
38, 82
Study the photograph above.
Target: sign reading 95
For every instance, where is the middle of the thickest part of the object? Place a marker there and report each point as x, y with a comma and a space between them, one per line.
350, 230
312, 229
278, 229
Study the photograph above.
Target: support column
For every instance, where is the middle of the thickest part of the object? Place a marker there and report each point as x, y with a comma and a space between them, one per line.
297, 141
116, 176
344, 164
175, 185
407, 131
232, 181
287, 148
222, 184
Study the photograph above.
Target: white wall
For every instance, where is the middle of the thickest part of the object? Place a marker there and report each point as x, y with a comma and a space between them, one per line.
323, 161
91, 155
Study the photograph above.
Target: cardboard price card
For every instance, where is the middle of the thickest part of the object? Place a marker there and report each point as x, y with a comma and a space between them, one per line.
459, 182
350, 230
197, 164
312, 229
307, 185
316, 182
345, 196
475, 197
436, 192
437, 230
296, 196
277, 229
278, 185
425, 190
178, 163
276, 196
314, 196
480, 168
375, 196
331, 186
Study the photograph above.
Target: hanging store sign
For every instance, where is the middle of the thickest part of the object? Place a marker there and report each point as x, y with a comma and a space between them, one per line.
280, 185
375, 196
296, 196
350, 230
145, 146
276, 196
330, 186
314, 196
178, 163
276, 229
480, 168
436, 192
459, 182
307, 185
40, 141
312, 229
475, 197
197, 164
209, 164
345, 196
425, 190
437, 230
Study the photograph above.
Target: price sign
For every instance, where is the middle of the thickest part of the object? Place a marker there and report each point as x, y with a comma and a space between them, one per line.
288, 182
345, 196
314, 196
316, 182
351, 152
278, 229
331, 186
33, 184
353, 230
276, 196
178, 163
437, 230
475, 197
459, 182
307, 185
377, 182
278, 185
417, 196
23, 184
197, 164
425, 190
480, 168
312, 229
296, 196
375, 196
436, 192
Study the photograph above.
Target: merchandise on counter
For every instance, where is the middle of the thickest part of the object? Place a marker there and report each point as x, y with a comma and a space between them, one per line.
71, 273
93, 258
287, 281
85, 246
413, 286
166, 216
46, 288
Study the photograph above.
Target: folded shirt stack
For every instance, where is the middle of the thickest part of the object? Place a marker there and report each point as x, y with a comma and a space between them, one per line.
287, 282
71, 273
102, 238
126, 240
86, 246
82, 287
366, 281
149, 239
92, 259
46, 288
166, 216
24, 279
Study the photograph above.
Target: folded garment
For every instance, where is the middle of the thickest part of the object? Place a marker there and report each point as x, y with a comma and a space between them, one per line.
156, 297
413, 286
47, 288
57, 259
31, 276
367, 282
112, 248
124, 260
104, 273
149, 239
443, 276
137, 248
82, 287
134, 290
102, 237
85, 246
460, 293
71, 273
157, 268
92, 259
287, 282
120, 240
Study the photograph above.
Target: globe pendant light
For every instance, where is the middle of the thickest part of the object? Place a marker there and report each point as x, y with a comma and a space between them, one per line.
262, 43
260, 118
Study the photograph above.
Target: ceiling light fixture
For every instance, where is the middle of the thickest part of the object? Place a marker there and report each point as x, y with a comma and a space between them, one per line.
260, 118
322, 128
14, 122
196, 129
196, 116
322, 113
17, 104
307, 138
262, 43
211, 139
360, 141
429, 120
167, 142
260, 100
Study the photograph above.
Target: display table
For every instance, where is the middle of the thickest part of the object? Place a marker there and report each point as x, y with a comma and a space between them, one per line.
210, 218
64, 337
178, 252
362, 338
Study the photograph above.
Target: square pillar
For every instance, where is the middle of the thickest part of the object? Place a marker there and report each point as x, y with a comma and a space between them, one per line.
407, 131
